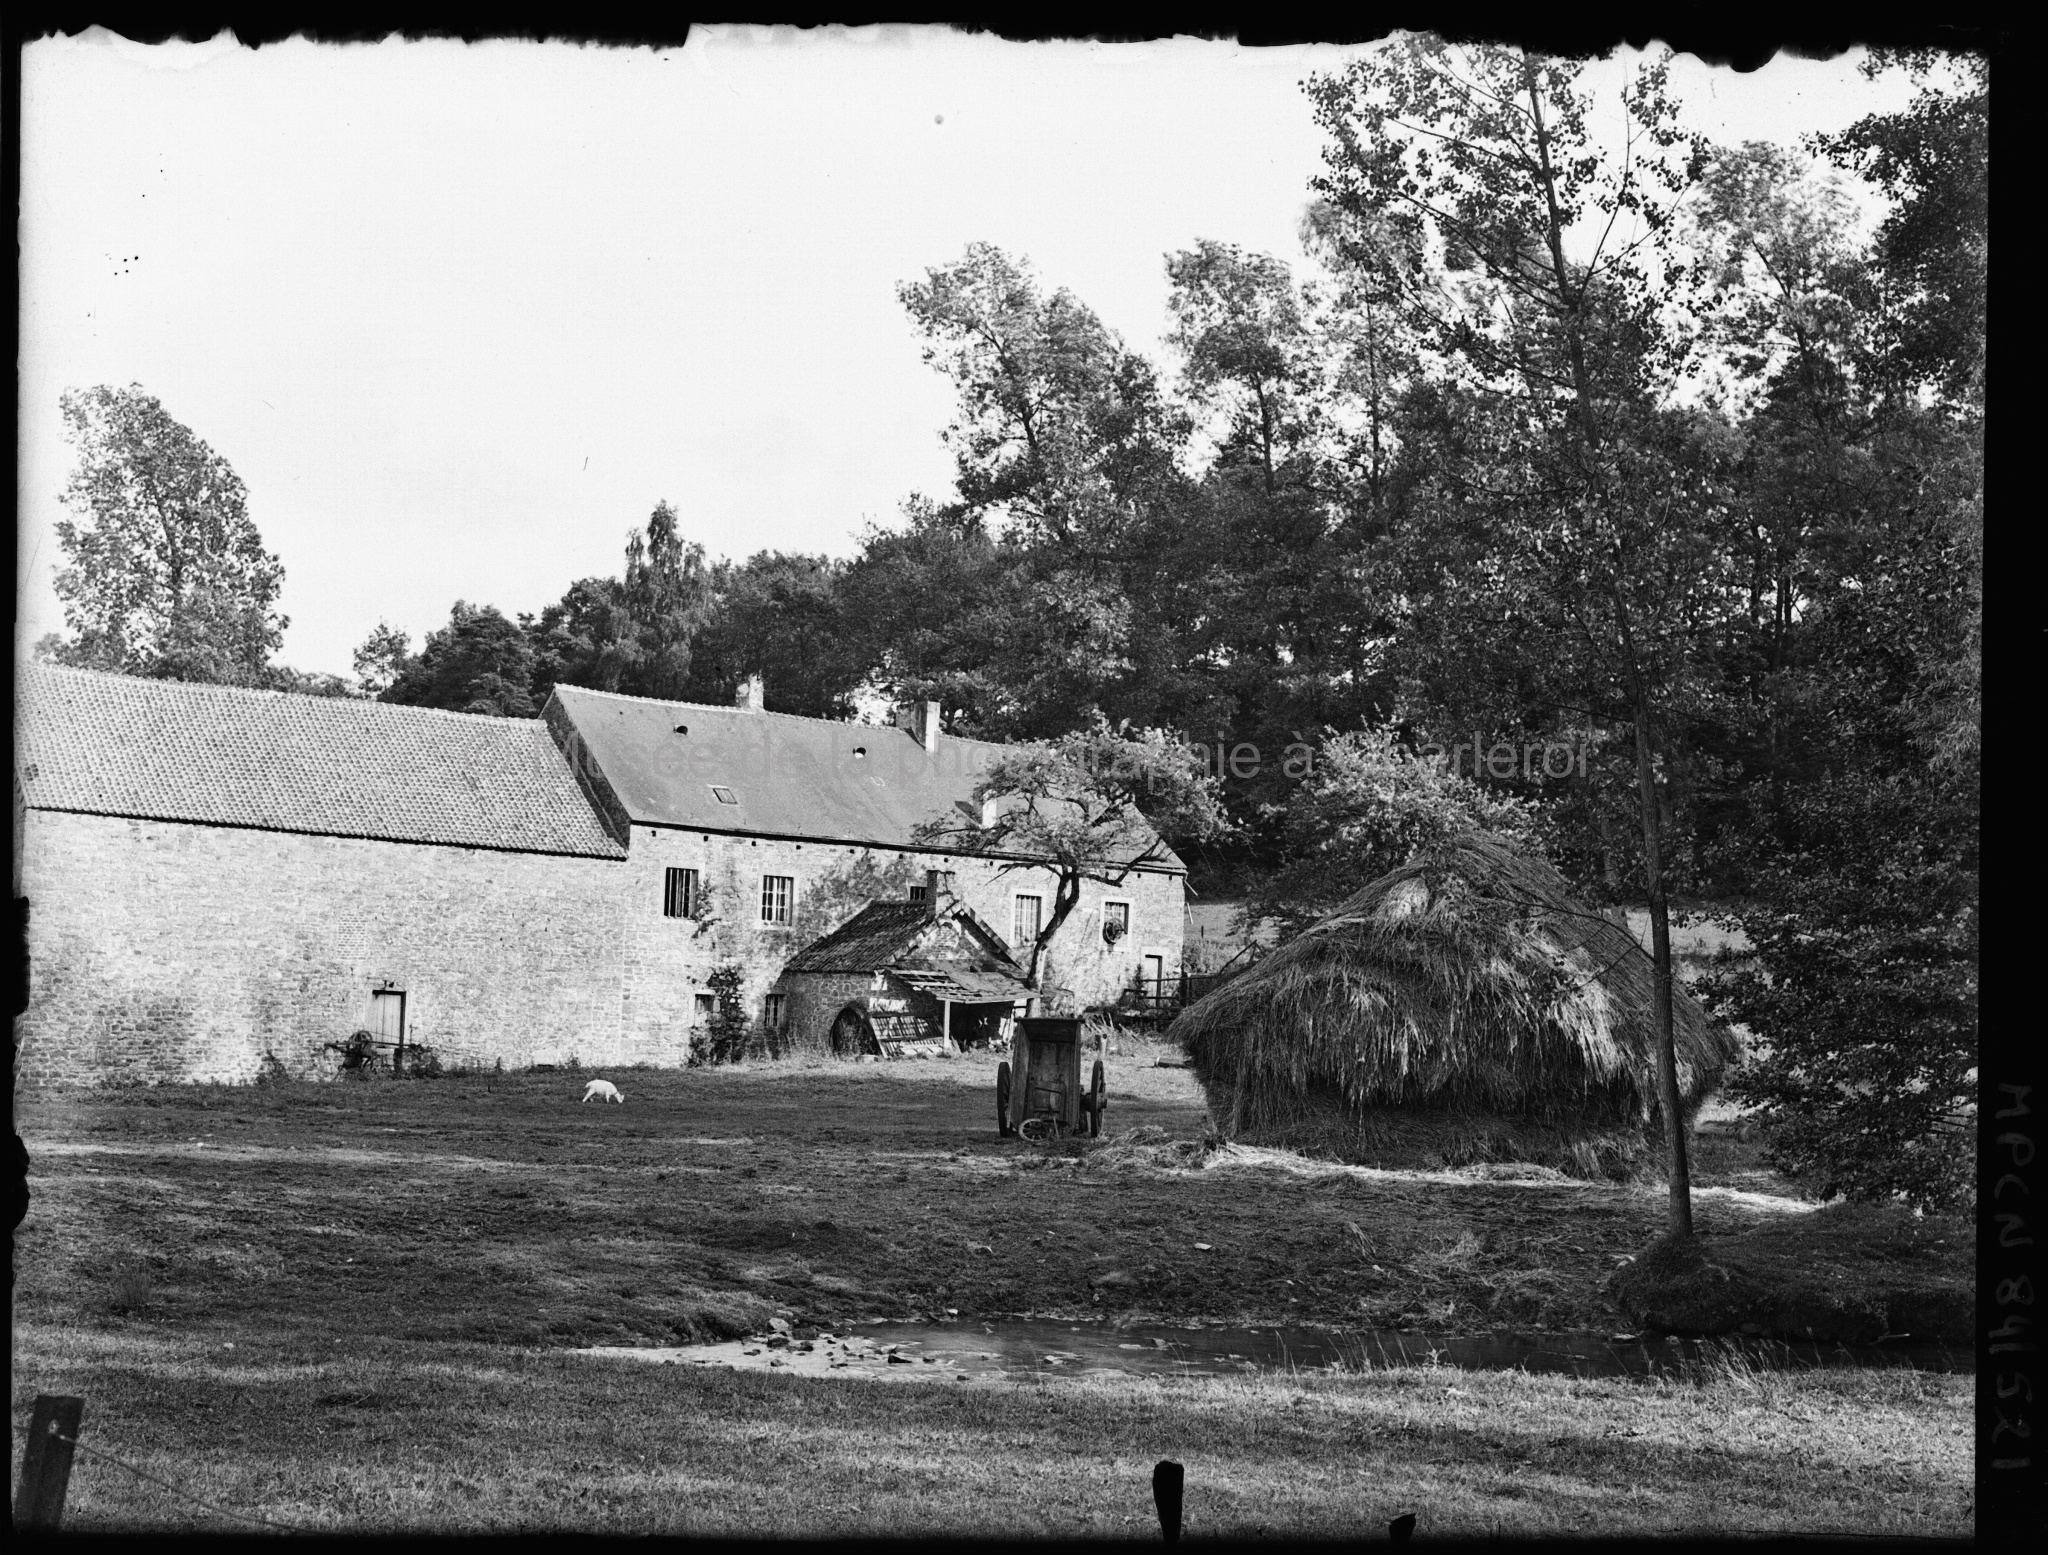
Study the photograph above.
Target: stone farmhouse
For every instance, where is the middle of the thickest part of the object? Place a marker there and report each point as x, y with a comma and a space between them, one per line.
215, 875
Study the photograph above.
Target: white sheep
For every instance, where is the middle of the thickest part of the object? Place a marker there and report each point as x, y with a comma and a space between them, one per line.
602, 1090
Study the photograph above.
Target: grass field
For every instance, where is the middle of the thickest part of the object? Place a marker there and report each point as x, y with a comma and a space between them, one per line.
347, 1305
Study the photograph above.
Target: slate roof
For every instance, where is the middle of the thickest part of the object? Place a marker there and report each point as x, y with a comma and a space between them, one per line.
175, 751
804, 778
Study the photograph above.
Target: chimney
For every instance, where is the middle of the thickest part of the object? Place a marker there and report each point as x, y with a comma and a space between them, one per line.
748, 696
938, 890
928, 725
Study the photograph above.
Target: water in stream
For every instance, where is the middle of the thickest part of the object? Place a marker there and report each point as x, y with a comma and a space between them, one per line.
971, 1351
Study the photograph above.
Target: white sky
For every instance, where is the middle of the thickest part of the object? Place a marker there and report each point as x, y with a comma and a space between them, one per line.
460, 315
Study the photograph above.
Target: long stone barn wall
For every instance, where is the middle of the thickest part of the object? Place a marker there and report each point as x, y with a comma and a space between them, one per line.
167, 951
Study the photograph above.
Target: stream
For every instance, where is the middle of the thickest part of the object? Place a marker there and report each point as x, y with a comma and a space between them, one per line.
1007, 1350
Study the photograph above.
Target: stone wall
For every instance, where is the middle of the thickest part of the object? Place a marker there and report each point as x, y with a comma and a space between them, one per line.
167, 951
667, 960
815, 998
163, 950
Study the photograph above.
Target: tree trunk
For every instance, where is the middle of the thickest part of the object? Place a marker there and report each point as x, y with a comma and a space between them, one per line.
1660, 946
1066, 896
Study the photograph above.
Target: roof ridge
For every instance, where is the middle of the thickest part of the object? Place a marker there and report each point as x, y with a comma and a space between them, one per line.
762, 712
214, 687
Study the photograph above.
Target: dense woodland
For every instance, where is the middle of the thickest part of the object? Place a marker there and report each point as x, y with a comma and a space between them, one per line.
1666, 452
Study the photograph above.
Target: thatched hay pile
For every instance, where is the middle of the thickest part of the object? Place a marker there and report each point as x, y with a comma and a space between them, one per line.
1461, 1009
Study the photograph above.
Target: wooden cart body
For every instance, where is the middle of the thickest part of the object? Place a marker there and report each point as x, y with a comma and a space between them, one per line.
1044, 1079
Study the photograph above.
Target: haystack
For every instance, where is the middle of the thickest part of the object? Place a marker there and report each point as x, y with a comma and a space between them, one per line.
1461, 1009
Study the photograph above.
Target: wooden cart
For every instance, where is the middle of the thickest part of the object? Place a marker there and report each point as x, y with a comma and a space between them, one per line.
1042, 1080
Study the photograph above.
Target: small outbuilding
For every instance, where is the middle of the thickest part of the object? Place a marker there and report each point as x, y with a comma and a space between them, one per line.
1461, 1009
904, 979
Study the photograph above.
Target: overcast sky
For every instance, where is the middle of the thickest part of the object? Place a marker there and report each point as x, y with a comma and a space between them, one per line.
460, 316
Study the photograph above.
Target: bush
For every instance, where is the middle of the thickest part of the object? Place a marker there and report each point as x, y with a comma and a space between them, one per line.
725, 1039
272, 1070
423, 1063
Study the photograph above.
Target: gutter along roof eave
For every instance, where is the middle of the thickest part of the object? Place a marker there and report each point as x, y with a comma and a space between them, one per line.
618, 857
1159, 868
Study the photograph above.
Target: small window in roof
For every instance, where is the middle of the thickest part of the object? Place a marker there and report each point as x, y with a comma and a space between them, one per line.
682, 728
724, 795
860, 750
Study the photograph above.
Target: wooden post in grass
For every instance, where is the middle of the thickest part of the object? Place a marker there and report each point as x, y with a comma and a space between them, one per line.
1167, 1479
46, 1461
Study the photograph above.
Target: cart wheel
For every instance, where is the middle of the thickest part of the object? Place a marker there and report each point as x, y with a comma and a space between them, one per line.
1003, 1100
1098, 1098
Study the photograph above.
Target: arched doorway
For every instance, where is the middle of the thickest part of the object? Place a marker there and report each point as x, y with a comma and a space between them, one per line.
852, 1035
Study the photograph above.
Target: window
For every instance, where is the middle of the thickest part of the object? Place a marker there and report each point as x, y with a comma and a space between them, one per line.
1116, 921
778, 895
1028, 915
771, 1011
679, 895
724, 795
707, 1006
917, 893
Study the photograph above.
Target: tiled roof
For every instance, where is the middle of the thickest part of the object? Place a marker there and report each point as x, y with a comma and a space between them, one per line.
175, 751
787, 776
873, 938
885, 935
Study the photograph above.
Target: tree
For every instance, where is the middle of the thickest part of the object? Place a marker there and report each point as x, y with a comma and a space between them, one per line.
778, 615
666, 595
307, 683
581, 639
1858, 863
1368, 806
1933, 161
168, 577
381, 658
1091, 805
478, 663
632, 635
1273, 636
1064, 456
1585, 531
1243, 332
1048, 396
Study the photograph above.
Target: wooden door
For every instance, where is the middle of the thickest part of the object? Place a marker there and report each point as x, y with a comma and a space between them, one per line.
387, 1015
1155, 978
387, 1023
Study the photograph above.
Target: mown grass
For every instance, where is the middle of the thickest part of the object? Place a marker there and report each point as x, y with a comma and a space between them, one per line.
468, 1438
502, 1210
348, 1306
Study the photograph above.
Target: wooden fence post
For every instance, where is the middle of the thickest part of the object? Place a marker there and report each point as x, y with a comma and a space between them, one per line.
46, 1461
1167, 1480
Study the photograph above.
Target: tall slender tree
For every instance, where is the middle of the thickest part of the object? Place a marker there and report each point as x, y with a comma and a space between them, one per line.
1585, 536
